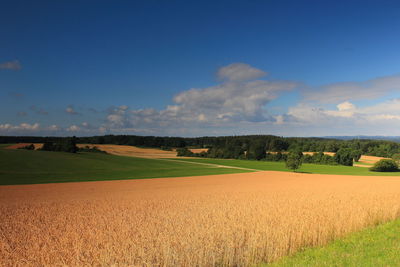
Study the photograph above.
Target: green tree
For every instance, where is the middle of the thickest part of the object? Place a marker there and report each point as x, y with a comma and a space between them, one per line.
396, 157
356, 155
184, 152
344, 156
256, 151
48, 146
385, 165
294, 160
70, 145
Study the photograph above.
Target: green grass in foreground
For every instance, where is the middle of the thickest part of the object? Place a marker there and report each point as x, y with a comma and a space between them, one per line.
306, 168
33, 167
373, 247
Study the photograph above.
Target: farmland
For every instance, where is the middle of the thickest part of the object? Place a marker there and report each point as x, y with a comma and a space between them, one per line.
30, 167
219, 212
233, 219
280, 166
27, 167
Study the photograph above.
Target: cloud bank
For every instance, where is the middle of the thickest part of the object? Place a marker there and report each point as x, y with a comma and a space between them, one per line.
239, 97
239, 103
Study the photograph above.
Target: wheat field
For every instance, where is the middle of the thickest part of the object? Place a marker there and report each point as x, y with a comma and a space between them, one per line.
219, 220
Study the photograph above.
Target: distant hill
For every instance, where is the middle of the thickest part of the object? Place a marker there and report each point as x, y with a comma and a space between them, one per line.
366, 137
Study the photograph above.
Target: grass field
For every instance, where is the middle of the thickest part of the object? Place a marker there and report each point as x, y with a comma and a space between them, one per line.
377, 246
30, 167
305, 168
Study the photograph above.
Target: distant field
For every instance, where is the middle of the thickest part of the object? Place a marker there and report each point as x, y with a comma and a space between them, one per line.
306, 168
31, 167
375, 246
27, 167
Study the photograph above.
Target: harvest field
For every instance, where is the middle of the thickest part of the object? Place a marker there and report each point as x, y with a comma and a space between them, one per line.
119, 150
225, 220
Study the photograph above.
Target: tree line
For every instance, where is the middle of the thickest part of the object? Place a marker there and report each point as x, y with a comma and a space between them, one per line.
231, 146
344, 156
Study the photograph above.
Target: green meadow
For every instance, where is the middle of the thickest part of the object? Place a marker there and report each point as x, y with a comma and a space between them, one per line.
305, 168
34, 167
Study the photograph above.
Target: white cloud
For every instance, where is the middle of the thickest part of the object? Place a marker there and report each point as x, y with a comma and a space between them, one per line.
238, 98
73, 128
20, 127
347, 119
345, 106
70, 110
10, 65
342, 91
239, 72
54, 128
84, 127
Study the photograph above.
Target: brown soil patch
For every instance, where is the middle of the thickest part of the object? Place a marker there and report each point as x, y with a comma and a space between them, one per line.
370, 159
20, 145
119, 150
198, 150
325, 153
306, 153
224, 220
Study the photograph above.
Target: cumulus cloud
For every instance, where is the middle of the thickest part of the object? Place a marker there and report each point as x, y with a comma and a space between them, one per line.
239, 97
84, 127
23, 126
370, 89
73, 128
10, 65
70, 110
54, 128
379, 119
239, 72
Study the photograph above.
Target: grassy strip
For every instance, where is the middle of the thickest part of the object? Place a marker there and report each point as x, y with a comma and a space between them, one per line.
376, 246
306, 168
33, 167
364, 163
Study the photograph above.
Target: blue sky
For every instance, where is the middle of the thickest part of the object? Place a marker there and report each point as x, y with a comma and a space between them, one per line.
193, 68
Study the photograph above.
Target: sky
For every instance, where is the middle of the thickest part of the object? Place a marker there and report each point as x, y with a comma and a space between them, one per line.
199, 68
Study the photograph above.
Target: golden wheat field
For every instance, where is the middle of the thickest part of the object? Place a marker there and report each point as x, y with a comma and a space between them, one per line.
219, 220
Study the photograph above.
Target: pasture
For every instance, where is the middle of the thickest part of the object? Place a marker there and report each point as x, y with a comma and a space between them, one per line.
31, 167
280, 166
